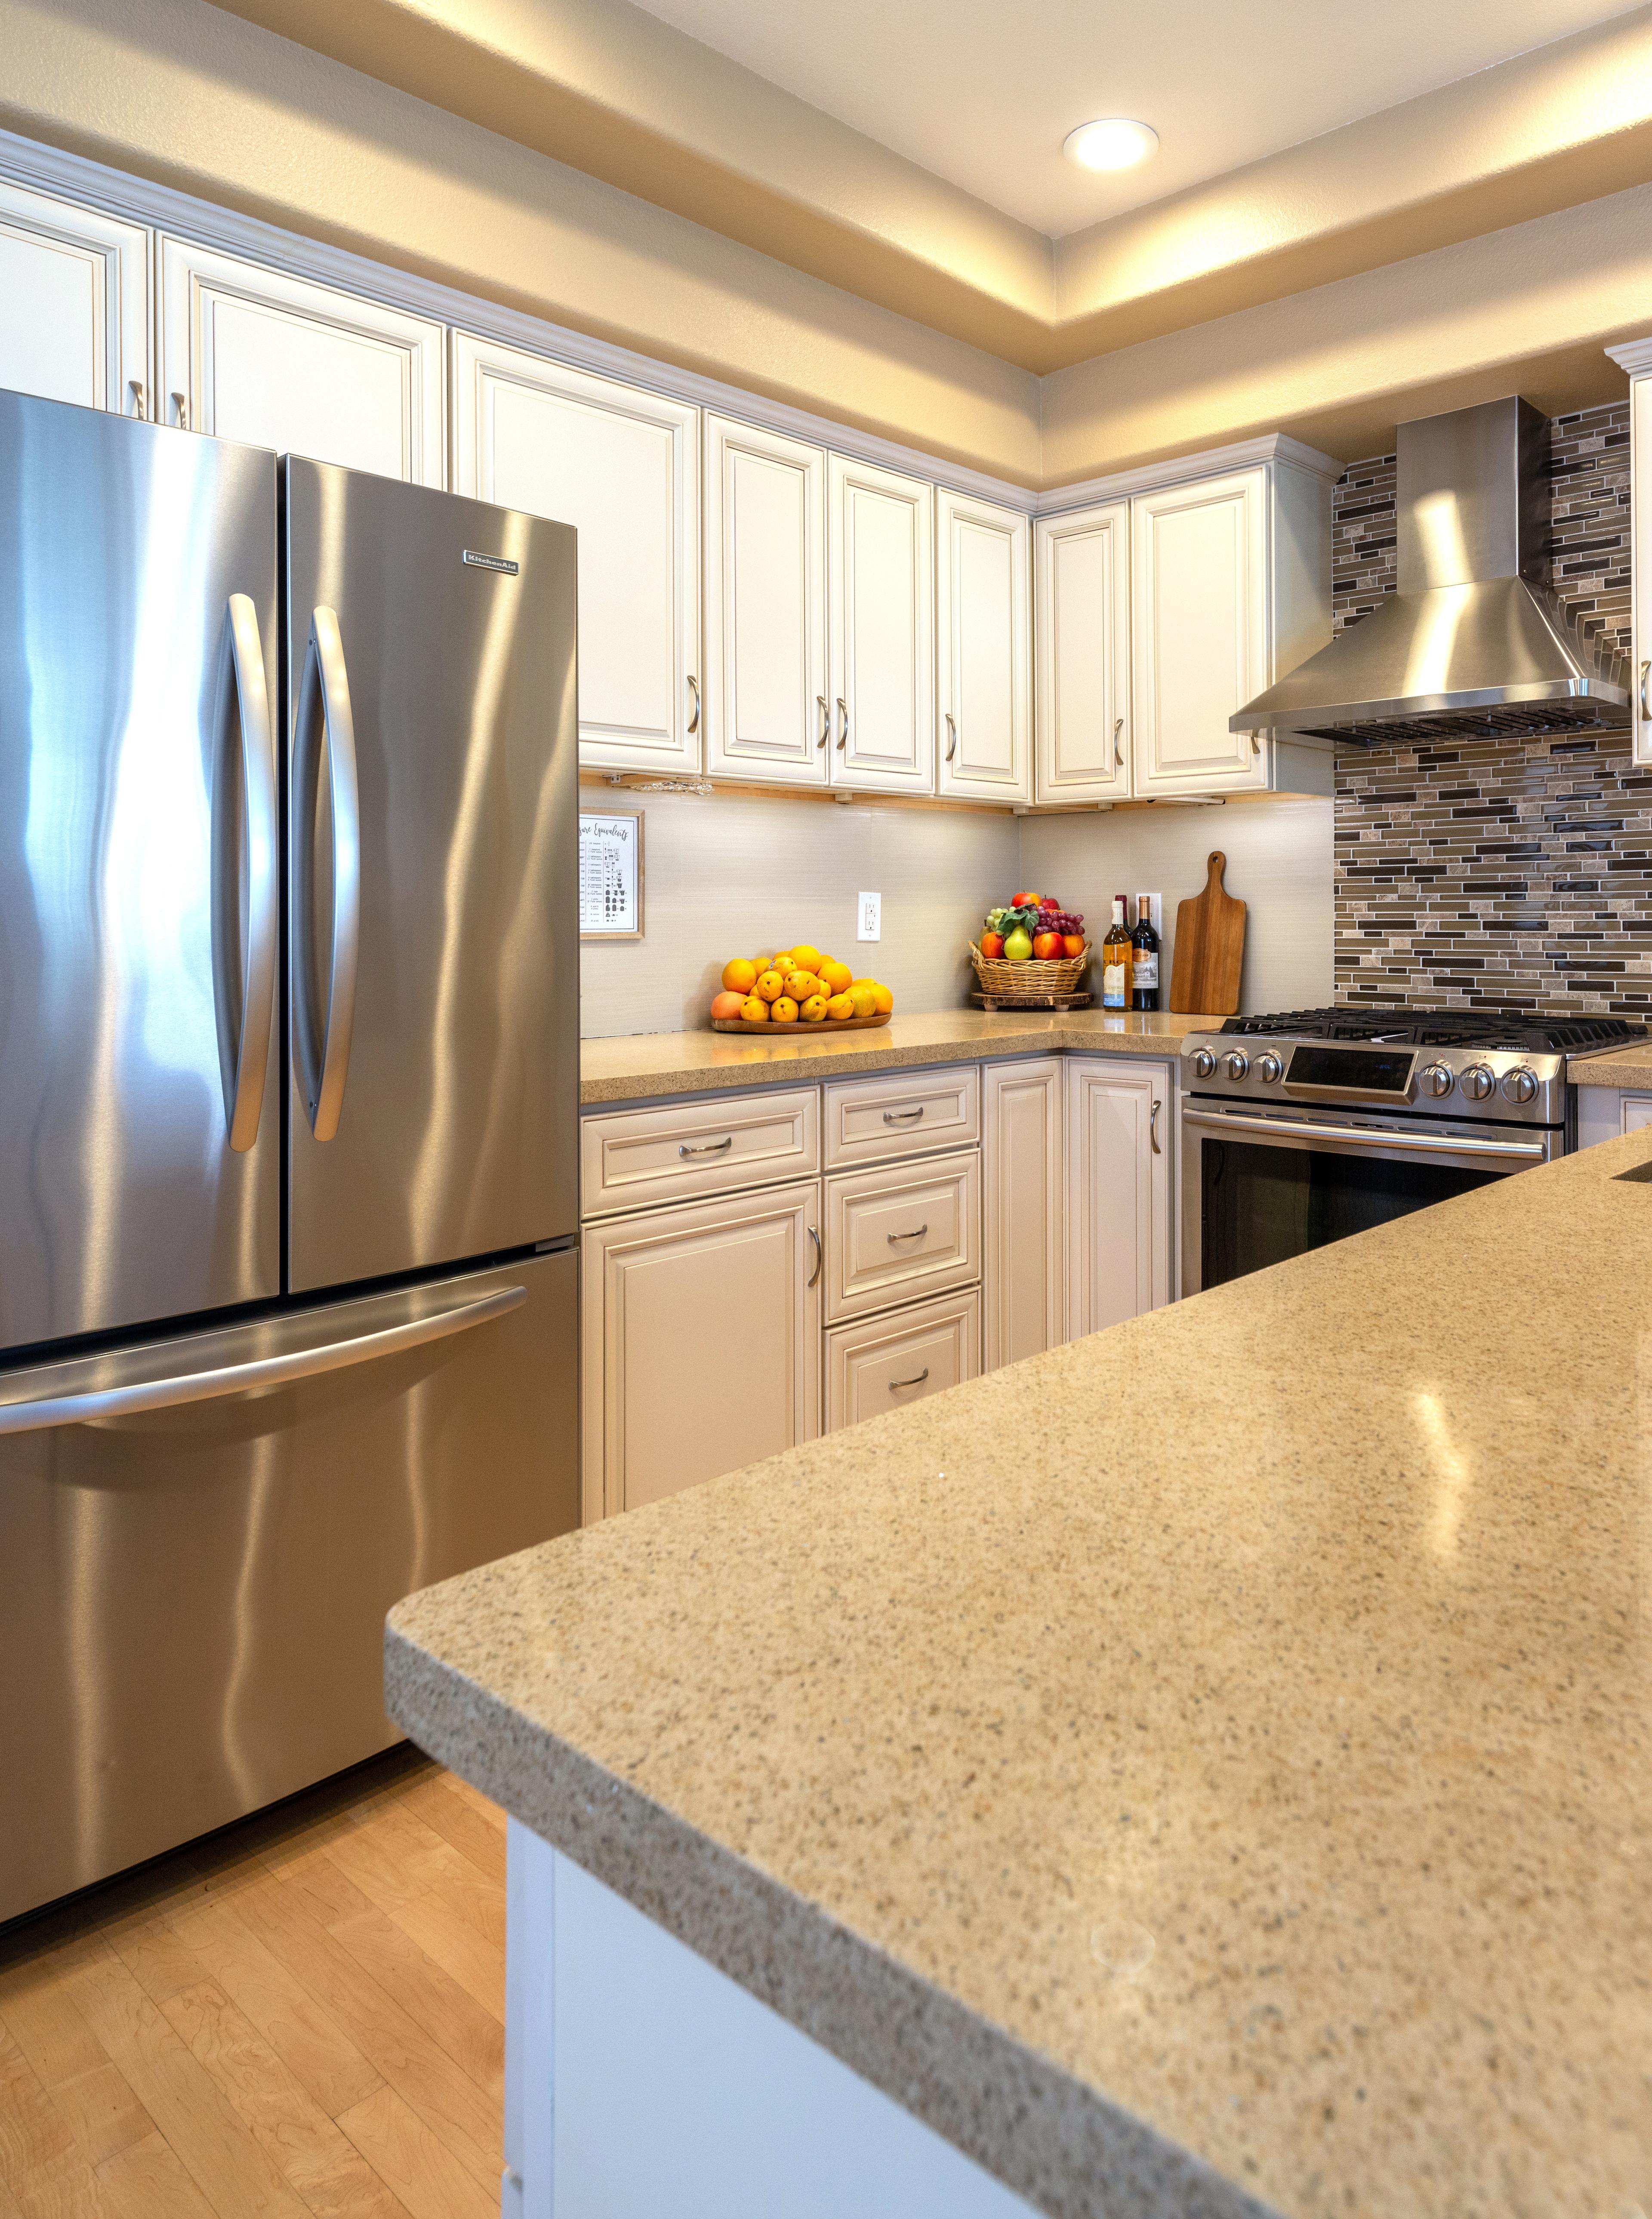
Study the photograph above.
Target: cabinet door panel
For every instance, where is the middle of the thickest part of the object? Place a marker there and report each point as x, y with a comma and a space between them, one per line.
983, 650
701, 1343
765, 606
899, 1231
1200, 632
1023, 1177
881, 607
1084, 655
886, 1363
622, 467
1118, 1190
251, 354
75, 288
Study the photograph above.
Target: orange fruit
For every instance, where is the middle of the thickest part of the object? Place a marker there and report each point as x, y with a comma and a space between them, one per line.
770, 987
836, 978
740, 976
862, 1002
840, 1007
754, 1009
806, 957
727, 1004
762, 963
882, 1000
784, 962
813, 1010
800, 985
785, 1011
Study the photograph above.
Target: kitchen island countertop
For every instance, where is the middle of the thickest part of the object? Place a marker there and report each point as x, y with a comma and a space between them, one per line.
1205, 1769
641, 1066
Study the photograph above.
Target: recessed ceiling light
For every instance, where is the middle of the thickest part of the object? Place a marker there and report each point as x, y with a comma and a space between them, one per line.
1116, 143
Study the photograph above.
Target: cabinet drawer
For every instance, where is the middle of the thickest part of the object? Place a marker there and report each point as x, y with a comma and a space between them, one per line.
894, 1233
884, 1362
629, 1158
869, 1119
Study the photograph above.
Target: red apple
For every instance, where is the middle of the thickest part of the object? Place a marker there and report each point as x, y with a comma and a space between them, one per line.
1073, 942
992, 943
1049, 947
1023, 901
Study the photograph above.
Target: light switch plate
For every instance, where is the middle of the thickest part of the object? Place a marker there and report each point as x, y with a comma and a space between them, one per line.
869, 916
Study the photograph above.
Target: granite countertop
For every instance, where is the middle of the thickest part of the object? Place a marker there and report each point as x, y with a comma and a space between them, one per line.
637, 1065
1205, 1769
1626, 1067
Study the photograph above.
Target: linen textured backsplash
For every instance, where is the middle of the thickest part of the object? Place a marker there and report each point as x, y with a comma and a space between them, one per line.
1498, 872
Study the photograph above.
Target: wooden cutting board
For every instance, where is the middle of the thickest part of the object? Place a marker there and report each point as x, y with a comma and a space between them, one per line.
1209, 947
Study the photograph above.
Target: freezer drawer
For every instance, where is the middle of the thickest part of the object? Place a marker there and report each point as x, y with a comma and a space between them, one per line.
192, 1596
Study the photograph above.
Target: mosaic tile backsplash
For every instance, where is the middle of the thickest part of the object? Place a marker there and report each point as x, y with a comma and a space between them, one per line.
1500, 871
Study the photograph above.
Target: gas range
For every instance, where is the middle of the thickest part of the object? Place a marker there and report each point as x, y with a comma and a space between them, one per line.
1502, 1065
1303, 1127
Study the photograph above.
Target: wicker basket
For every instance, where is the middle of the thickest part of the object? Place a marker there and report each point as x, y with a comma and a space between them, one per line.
998, 975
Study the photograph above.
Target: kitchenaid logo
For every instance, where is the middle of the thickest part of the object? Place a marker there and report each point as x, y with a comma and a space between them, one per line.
492, 562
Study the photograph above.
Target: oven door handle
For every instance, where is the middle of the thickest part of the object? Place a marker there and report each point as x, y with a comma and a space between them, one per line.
1420, 1144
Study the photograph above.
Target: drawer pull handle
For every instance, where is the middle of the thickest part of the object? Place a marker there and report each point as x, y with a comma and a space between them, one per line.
710, 1148
917, 1380
916, 1234
820, 1258
901, 1116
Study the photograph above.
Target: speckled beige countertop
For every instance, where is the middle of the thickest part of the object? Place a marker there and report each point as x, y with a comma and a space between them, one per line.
637, 1065
1627, 1067
1208, 1763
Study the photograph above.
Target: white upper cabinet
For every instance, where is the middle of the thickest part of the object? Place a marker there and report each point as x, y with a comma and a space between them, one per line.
767, 709
881, 615
1200, 627
249, 353
74, 303
1084, 655
982, 650
622, 467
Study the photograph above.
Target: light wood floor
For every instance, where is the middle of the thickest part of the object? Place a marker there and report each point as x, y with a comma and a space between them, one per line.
300, 2019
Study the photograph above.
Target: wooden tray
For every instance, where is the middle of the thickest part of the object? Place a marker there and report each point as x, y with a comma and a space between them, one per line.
1032, 1001
785, 1032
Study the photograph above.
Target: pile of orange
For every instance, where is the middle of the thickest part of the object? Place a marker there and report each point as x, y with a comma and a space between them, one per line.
798, 986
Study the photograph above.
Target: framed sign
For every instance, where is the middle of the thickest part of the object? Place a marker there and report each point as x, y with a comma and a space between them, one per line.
610, 875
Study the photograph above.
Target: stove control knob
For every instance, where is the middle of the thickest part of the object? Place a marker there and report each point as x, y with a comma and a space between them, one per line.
1438, 1079
1268, 1067
1519, 1085
1477, 1082
1238, 1064
1204, 1063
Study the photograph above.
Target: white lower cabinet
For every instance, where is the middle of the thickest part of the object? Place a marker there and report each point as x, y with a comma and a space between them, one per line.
1119, 1228
901, 1231
1023, 1177
884, 1362
701, 1342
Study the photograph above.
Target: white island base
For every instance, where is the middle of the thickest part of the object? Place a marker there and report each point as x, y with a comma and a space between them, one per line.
640, 2081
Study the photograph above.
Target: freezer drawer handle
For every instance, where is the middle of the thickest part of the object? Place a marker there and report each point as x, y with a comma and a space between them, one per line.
264, 1371
244, 986
325, 720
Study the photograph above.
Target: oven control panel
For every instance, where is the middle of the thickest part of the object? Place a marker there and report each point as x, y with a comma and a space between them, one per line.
1509, 1085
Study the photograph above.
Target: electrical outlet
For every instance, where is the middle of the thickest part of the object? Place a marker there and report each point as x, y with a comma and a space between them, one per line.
869, 916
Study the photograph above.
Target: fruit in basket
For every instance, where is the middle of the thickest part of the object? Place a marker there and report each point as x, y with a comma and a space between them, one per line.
740, 976
785, 1011
836, 978
770, 987
802, 985
1018, 945
992, 944
1049, 947
1023, 901
1072, 943
862, 1002
728, 1004
813, 1010
839, 1006
807, 957
754, 1009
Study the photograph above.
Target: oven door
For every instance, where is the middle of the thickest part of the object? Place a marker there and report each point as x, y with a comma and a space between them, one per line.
1259, 1187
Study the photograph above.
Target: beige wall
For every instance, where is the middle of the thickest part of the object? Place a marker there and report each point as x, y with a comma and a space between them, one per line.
730, 875
1279, 864
190, 96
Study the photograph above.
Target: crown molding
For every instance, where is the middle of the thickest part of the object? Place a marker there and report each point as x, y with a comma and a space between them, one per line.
1634, 355
1278, 447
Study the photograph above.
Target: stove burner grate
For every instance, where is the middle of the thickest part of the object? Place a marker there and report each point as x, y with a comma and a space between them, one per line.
1532, 1030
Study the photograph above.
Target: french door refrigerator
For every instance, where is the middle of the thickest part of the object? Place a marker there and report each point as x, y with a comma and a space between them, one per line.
289, 1083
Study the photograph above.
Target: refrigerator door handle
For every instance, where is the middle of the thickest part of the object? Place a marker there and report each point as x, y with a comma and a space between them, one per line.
244, 986
325, 720
120, 1400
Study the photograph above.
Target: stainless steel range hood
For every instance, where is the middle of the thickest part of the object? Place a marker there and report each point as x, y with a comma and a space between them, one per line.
1472, 645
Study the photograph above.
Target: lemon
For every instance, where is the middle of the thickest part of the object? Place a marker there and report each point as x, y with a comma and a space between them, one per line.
862, 1002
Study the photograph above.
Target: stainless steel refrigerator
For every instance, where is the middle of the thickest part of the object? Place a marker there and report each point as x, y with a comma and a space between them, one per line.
289, 1086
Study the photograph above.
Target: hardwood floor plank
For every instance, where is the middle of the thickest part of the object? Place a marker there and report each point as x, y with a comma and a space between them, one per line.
103, 2113
404, 2050
153, 1955
400, 1834
482, 1804
315, 2158
460, 1823
425, 2174
226, 2164
314, 2048
428, 1903
148, 2182
41, 2169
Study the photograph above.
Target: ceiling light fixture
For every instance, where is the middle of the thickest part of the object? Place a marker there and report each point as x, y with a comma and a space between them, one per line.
1116, 143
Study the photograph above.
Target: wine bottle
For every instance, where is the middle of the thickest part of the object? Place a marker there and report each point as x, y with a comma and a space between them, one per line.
1115, 961
1144, 957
